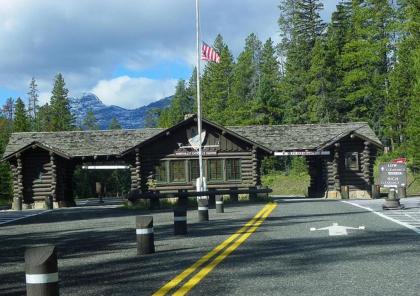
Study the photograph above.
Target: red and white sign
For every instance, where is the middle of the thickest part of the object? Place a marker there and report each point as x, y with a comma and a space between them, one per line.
399, 160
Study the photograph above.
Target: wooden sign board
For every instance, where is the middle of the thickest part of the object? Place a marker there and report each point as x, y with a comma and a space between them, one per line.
301, 153
393, 175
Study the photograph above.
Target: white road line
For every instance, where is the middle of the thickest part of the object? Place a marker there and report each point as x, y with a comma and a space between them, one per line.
415, 229
18, 217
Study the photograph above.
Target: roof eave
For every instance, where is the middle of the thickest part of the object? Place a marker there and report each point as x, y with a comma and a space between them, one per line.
37, 144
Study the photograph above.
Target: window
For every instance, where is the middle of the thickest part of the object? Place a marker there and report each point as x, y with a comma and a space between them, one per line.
194, 169
161, 172
215, 169
177, 170
352, 161
233, 169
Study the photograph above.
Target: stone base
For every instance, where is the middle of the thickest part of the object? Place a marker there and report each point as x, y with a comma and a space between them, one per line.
17, 205
39, 204
360, 194
26, 206
353, 194
392, 205
333, 194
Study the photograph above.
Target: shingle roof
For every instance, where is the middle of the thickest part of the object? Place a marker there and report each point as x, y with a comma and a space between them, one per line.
83, 143
115, 142
303, 136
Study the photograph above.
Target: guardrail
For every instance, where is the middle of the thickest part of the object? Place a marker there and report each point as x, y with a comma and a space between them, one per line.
182, 194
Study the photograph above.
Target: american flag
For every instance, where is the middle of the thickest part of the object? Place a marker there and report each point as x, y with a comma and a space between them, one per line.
209, 54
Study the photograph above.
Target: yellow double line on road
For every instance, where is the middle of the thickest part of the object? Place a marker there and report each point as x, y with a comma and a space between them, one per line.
227, 247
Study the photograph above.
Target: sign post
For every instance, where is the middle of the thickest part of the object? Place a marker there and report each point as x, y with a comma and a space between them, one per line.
393, 176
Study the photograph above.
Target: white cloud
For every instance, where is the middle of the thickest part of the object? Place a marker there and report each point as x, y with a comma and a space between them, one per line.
130, 92
87, 40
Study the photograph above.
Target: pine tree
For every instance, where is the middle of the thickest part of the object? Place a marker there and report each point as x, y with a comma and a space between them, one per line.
90, 122
5, 172
182, 103
268, 106
192, 89
365, 62
44, 119
320, 86
301, 25
217, 83
245, 82
114, 124
33, 95
9, 109
61, 117
21, 121
413, 125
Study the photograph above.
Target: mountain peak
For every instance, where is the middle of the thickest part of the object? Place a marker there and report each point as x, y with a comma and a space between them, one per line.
134, 118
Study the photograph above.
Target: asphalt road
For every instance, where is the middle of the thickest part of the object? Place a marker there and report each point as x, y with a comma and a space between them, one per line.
282, 256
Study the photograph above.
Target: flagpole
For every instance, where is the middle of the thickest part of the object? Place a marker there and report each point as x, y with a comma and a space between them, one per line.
199, 123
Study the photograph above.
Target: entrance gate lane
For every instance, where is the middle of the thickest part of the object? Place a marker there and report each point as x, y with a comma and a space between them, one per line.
285, 258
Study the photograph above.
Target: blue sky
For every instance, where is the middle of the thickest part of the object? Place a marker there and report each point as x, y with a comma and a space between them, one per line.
129, 52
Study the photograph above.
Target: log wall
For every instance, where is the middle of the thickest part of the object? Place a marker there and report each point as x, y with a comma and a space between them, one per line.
38, 175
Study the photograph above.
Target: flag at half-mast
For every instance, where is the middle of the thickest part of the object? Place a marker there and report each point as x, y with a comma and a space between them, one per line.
209, 54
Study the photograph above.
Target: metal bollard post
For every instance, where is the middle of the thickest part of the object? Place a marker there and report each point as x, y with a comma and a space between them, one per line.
145, 235
180, 220
219, 204
203, 209
41, 271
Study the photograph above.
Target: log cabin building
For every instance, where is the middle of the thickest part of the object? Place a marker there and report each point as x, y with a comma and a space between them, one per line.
339, 155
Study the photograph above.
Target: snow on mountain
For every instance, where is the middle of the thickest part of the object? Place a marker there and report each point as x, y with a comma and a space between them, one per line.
128, 118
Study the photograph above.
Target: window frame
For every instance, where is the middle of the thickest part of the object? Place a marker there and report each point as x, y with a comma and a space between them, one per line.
190, 176
166, 170
171, 179
239, 167
208, 170
349, 164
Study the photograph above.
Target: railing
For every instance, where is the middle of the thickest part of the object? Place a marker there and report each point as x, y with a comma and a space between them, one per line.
134, 195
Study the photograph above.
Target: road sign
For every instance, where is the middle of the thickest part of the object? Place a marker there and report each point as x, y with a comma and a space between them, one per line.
393, 174
399, 160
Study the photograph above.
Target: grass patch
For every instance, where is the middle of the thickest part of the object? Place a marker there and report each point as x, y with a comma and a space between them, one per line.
282, 184
5, 202
413, 184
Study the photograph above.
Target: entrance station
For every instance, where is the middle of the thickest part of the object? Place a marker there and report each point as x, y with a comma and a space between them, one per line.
340, 157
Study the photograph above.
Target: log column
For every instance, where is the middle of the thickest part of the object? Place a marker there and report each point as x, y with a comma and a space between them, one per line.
336, 167
136, 184
17, 183
53, 179
367, 166
68, 186
333, 172
256, 178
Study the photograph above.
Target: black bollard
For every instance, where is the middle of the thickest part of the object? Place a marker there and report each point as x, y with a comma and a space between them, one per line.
180, 220
203, 209
145, 235
212, 199
41, 271
233, 195
219, 204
